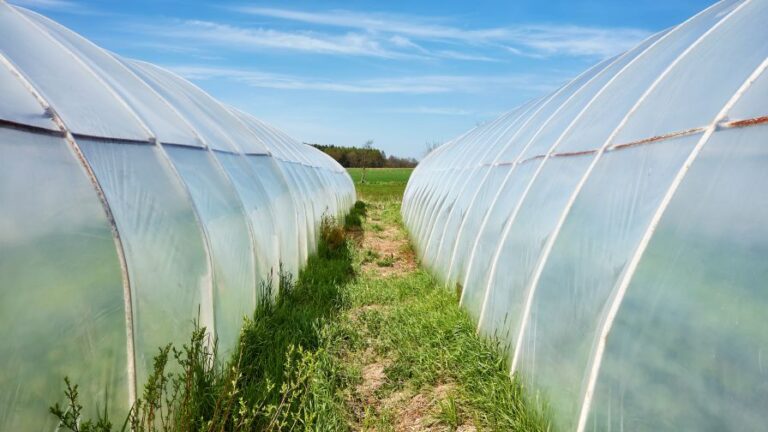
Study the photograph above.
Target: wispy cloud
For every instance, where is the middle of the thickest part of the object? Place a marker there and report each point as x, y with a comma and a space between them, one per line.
431, 110
418, 27
424, 84
243, 38
288, 82
345, 33
575, 40
458, 55
528, 39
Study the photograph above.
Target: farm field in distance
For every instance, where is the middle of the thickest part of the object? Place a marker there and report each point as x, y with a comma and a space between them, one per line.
380, 183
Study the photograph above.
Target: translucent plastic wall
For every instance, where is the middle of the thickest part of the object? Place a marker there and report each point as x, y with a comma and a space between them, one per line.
132, 203
613, 236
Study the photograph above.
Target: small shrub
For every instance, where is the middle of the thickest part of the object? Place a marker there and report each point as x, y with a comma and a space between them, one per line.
353, 221
360, 208
333, 239
178, 400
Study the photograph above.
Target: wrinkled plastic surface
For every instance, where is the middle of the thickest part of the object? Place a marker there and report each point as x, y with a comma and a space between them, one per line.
61, 291
542, 235
131, 204
159, 116
18, 105
171, 280
686, 351
94, 110
235, 282
592, 250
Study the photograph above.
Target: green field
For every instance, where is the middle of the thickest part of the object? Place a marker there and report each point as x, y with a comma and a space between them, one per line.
380, 183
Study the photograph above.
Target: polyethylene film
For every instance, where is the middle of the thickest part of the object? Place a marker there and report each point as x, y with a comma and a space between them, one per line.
19, 105
83, 101
62, 299
292, 245
726, 57
132, 204
256, 205
580, 274
226, 226
149, 107
610, 238
686, 349
167, 260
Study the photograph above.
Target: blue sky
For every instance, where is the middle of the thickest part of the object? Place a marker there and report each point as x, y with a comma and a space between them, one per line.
403, 73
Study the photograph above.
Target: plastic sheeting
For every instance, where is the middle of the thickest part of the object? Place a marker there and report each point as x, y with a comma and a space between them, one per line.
61, 289
167, 262
131, 204
708, 339
235, 285
613, 237
95, 111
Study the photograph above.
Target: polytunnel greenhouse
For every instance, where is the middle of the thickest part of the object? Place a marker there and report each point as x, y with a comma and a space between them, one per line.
132, 203
612, 235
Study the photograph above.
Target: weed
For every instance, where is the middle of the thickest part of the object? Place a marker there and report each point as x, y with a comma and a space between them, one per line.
387, 261
270, 383
458, 289
70, 417
448, 413
369, 255
333, 239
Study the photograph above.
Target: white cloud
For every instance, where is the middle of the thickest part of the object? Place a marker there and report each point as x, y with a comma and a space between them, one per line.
424, 84
404, 42
576, 40
458, 55
529, 39
288, 82
211, 33
445, 111
345, 33
388, 23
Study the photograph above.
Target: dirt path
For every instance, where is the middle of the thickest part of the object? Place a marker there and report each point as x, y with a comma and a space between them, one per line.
386, 249
377, 402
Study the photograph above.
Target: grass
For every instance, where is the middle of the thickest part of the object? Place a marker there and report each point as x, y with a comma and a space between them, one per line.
342, 348
380, 175
380, 183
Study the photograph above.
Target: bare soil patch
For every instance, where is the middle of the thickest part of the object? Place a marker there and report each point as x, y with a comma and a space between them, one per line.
391, 254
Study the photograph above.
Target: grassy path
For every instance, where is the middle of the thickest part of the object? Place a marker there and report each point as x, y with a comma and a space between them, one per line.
413, 358
363, 340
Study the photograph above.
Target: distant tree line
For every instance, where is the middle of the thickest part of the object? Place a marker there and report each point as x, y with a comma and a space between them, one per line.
365, 157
